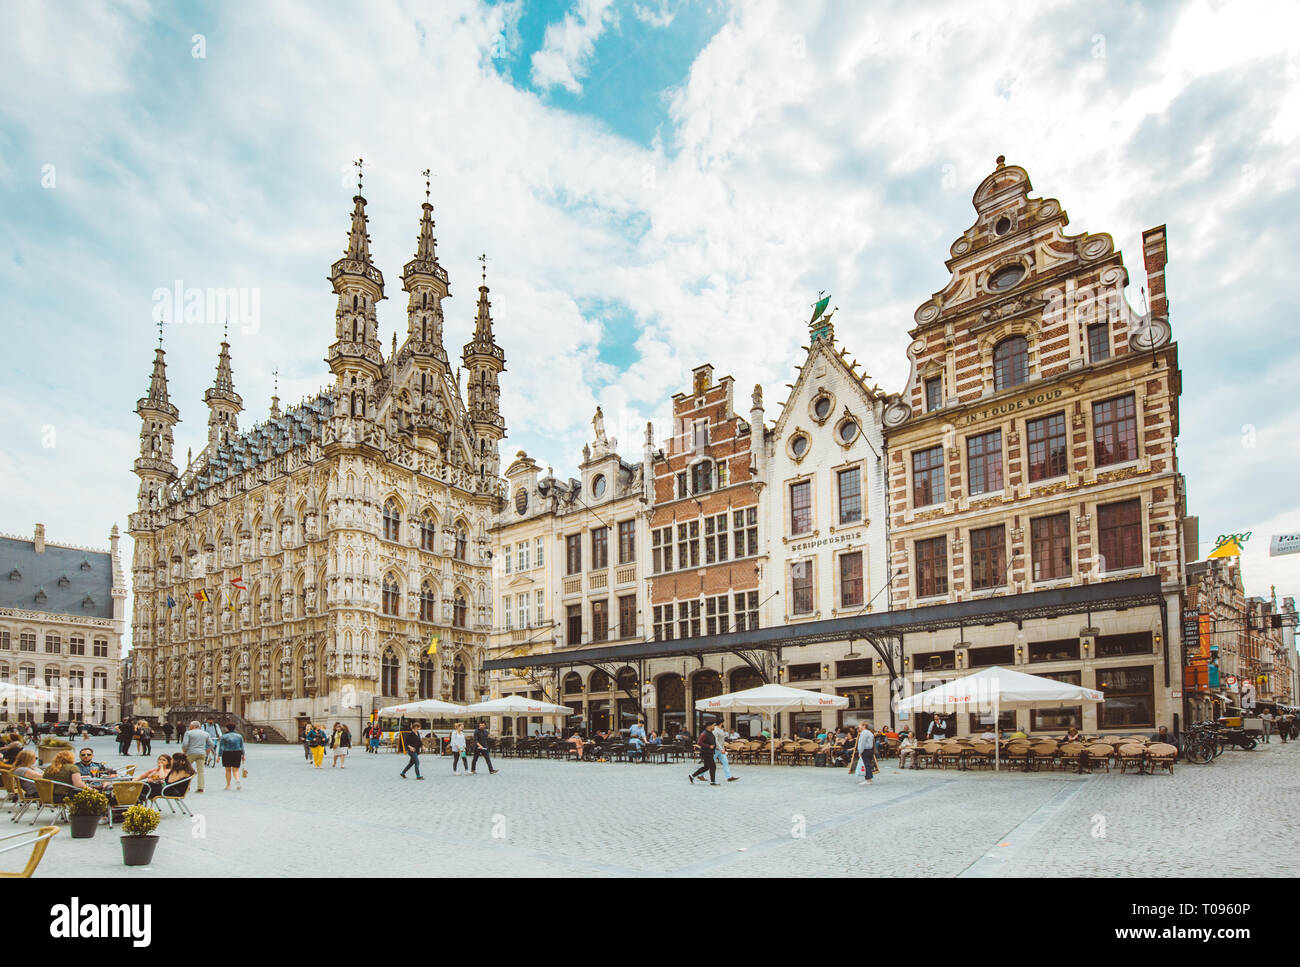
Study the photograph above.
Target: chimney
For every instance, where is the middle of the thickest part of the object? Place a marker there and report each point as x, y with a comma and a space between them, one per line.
1155, 255
39, 539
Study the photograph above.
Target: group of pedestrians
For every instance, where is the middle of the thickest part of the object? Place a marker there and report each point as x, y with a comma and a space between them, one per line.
1282, 723
459, 744
201, 738
713, 753
315, 741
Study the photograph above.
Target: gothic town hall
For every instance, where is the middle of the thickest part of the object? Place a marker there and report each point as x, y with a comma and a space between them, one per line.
303, 567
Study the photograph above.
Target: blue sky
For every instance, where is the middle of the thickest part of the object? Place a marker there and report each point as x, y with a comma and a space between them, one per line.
657, 183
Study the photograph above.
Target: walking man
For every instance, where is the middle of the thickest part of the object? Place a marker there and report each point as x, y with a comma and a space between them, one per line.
411, 743
195, 744
124, 735
866, 754
481, 749
708, 744
720, 754
1267, 720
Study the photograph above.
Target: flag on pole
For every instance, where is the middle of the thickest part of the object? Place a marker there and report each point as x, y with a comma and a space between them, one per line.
239, 583
433, 645
201, 596
171, 602
230, 603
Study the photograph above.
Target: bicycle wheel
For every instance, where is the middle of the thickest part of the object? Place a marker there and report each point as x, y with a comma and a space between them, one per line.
1198, 752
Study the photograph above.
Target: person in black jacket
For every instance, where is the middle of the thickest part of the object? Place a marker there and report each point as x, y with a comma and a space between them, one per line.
411, 742
707, 744
125, 733
481, 749
341, 743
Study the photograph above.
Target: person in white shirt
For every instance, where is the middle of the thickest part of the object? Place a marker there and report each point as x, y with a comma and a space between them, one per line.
906, 750
866, 754
720, 753
458, 754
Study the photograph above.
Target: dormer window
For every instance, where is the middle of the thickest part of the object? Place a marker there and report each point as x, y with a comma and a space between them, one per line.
85, 565
15, 575
87, 602
63, 581
40, 596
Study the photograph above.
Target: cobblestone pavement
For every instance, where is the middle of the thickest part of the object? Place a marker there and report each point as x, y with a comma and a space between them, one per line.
614, 819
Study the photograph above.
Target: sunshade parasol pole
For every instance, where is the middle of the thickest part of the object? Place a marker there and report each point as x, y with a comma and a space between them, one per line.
997, 723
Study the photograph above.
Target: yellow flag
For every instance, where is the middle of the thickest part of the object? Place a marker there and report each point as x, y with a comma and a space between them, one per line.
1229, 548
433, 645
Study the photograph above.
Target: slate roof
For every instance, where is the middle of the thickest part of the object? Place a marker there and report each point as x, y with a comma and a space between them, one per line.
24, 574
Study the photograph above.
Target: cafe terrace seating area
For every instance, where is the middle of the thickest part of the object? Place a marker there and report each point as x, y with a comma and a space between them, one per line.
1037, 753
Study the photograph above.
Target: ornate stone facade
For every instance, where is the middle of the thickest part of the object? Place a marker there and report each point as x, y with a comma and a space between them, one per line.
334, 539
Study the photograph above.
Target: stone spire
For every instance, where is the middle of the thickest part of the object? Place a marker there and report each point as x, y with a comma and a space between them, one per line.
356, 357
426, 284
224, 404
485, 361
154, 465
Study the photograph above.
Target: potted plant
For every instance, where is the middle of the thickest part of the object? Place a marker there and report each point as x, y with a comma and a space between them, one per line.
85, 809
49, 748
138, 843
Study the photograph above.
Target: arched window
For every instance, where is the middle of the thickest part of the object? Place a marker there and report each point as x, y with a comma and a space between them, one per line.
388, 673
390, 598
460, 614
392, 520
462, 543
428, 671
428, 533
1010, 362
428, 603
459, 681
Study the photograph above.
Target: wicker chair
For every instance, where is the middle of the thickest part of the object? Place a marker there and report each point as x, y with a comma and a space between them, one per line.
927, 753
1131, 754
1045, 753
1016, 752
1163, 755
980, 754
1100, 754
1070, 753
38, 845
950, 753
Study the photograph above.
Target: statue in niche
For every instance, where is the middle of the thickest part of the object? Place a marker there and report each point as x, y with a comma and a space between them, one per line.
246, 546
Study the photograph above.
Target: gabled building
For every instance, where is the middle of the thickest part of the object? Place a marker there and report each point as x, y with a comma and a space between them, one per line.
1033, 450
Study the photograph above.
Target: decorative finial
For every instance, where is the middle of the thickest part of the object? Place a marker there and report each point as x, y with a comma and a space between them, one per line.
427, 175
483, 258
275, 373
359, 164
160, 325
225, 329
1002, 160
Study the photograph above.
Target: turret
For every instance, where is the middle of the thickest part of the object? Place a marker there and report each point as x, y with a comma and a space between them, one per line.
224, 404
356, 357
154, 465
485, 361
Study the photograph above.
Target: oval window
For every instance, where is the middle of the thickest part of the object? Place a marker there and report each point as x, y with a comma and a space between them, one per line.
598, 485
799, 445
1003, 226
848, 430
822, 407
1004, 279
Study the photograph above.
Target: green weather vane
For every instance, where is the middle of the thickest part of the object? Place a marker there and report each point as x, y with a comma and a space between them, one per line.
819, 324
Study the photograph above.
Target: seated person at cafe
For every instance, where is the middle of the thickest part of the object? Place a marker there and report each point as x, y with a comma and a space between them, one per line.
1019, 733
576, 741
10, 752
1162, 735
654, 738
1072, 735
87, 765
62, 771
906, 750
989, 735
175, 780
161, 769
848, 746
25, 771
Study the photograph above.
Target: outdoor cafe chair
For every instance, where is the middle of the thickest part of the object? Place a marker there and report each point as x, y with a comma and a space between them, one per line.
1100, 754
38, 844
23, 800
45, 792
1017, 752
928, 753
1132, 754
980, 754
1070, 754
1161, 754
1044, 754
175, 800
950, 753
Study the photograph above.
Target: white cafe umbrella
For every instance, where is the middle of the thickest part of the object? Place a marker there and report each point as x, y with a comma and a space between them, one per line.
429, 708
772, 700
518, 705
998, 687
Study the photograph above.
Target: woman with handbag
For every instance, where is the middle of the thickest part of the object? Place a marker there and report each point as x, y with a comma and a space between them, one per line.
341, 743
231, 748
459, 756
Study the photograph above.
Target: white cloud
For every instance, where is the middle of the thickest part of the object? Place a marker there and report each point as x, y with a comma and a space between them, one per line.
568, 45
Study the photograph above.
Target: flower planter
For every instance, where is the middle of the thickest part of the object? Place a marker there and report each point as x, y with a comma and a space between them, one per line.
138, 850
83, 827
45, 755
